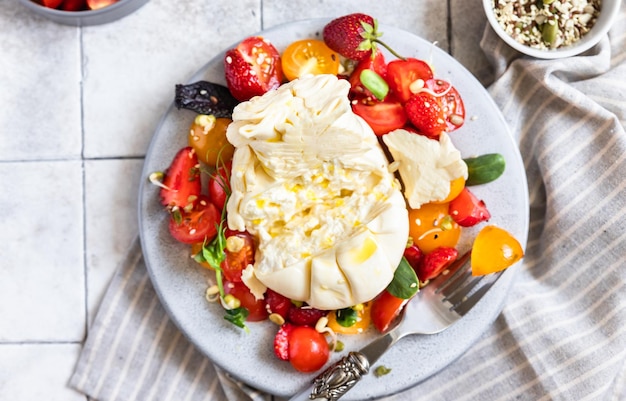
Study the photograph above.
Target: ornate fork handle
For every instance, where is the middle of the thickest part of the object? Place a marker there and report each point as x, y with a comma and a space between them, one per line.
340, 377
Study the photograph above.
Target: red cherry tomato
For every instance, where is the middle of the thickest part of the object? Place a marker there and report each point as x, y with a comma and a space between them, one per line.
467, 210
376, 64
239, 258
308, 349
255, 307
451, 102
385, 308
383, 117
402, 73
197, 225
219, 185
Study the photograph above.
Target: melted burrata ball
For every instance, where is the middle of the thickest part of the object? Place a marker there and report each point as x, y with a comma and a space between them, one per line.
312, 184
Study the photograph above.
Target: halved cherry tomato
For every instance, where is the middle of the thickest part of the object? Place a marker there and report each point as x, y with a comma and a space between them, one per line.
385, 308
252, 68
309, 56
207, 136
197, 225
239, 254
467, 210
494, 249
219, 185
308, 349
402, 73
376, 64
432, 227
255, 307
451, 102
382, 117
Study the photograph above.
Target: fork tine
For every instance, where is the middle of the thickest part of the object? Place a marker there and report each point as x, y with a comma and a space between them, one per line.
460, 292
467, 304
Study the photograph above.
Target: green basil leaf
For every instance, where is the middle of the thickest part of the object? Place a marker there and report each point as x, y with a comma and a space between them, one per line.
405, 283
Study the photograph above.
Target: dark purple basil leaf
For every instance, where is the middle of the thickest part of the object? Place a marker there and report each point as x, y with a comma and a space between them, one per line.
205, 98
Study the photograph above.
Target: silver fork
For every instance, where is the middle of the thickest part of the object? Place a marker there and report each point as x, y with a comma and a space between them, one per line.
436, 307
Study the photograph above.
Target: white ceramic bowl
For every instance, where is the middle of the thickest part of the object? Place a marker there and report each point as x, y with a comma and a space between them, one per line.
608, 11
84, 18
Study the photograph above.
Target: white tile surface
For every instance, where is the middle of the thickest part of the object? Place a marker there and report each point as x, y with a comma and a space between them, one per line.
31, 372
111, 190
42, 282
40, 82
79, 106
132, 65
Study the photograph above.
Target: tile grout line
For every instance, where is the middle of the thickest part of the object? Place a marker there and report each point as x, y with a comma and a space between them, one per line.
84, 182
449, 26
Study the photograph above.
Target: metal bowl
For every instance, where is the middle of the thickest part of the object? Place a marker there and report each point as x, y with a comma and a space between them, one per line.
84, 18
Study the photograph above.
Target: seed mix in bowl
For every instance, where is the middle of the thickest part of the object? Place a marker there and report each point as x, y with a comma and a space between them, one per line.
546, 24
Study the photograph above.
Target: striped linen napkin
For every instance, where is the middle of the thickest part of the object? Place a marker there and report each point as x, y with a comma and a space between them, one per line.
562, 333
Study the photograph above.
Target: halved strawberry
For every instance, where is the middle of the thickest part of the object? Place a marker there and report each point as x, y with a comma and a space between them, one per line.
305, 316
281, 342
426, 113
181, 184
252, 68
277, 303
436, 262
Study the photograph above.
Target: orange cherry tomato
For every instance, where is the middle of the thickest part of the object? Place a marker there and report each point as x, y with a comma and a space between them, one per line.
207, 136
432, 227
97, 4
456, 186
309, 56
494, 249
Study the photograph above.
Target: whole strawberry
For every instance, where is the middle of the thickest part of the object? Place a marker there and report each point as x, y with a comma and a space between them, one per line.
352, 35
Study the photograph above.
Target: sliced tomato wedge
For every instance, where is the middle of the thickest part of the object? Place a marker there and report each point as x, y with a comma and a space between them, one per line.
402, 73
383, 117
467, 210
181, 184
385, 308
197, 225
219, 185
256, 307
309, 56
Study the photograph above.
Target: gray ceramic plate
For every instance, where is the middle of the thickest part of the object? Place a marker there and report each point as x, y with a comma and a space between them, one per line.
180, 283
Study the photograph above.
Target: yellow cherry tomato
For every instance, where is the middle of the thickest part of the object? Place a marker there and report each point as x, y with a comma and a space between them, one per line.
362, 322
494, 249
309, 56
207, 136
196, 248
456, 186
431, 227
